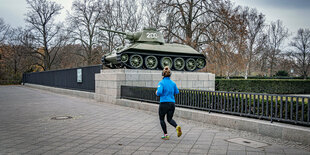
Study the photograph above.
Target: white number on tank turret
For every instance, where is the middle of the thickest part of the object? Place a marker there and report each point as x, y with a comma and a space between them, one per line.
151, 35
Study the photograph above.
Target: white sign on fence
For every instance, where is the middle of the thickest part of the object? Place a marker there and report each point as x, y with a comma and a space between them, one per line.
79, 75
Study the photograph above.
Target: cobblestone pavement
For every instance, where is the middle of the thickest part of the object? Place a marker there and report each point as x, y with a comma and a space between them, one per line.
99, 128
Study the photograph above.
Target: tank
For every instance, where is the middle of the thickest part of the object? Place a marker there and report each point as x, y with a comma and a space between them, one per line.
147, 50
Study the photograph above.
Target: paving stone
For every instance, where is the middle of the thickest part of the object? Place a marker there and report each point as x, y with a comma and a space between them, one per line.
236, 147
214, 151
151, 144
125, 151
69, 153
198, 151
147, 148
250, 149
90, 151
255, 153
267, 153
233, 152
295, 151
142, 152
159, 149
219, 147
182, 150
159, 153
274, 150
178, 153
108, 151
37, 151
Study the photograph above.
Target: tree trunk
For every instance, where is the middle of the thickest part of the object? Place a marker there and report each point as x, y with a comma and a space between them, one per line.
15, 66
246, 71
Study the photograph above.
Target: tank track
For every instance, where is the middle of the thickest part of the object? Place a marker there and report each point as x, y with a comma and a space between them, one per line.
159, 57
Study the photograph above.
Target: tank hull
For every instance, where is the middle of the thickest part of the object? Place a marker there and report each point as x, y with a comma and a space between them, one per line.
115, 60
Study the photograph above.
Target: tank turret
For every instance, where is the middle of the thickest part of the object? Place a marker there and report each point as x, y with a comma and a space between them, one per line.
147, 50
148, 35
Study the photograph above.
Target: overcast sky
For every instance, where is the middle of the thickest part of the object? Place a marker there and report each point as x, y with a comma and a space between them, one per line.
294, 13
13, 11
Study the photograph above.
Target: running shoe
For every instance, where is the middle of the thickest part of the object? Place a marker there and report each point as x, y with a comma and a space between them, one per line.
165, 137
179, 131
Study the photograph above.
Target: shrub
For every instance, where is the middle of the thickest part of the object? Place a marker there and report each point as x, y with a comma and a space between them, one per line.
270, 86
9, 82
282, 73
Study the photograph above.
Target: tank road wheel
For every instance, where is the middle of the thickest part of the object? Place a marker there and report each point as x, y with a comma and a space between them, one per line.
190, 64
151, 62
124, 57
166, 61
136, 61
178, 63
200, 63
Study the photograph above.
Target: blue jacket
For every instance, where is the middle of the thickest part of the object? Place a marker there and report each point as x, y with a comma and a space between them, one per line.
166, 89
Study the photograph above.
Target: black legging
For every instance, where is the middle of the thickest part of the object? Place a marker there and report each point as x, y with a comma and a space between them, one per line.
166, 108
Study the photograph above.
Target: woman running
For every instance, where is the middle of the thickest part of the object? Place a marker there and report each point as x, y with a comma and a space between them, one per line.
166, 89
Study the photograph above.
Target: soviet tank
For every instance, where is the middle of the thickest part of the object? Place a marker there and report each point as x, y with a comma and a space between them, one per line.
147, 50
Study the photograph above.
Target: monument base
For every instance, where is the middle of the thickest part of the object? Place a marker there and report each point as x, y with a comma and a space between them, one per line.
108, 81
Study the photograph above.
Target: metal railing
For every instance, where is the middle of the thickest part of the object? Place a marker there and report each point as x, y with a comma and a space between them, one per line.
65, 78
282, 108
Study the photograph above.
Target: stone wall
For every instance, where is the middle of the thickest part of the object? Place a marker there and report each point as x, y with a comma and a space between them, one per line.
109, 81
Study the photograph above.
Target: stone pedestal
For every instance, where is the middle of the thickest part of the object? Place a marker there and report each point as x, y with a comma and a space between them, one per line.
109, 81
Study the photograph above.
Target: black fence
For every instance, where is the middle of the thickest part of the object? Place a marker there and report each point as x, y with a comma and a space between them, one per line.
282, 108
66, 78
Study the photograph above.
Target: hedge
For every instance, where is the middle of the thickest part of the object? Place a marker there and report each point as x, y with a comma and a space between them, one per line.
270, 86
260, 77
9, 82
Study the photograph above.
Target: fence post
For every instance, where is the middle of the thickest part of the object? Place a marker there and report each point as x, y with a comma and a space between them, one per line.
24, 79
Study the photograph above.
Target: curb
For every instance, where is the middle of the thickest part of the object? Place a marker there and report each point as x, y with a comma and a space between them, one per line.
63, 91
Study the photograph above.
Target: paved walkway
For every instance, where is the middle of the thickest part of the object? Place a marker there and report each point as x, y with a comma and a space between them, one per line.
98, 128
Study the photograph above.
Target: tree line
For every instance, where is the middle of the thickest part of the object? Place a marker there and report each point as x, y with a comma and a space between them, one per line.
236, 40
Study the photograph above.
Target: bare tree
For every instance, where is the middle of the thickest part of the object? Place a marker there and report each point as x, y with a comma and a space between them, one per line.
184, 19
301, 54
120, 16
128, 17
153, 14
225, 39
16, 59
189, 21
48, 35
277, 34
4, 31
254, 26
108, 22
261, 58
224, 53
20, 58
84, 22
68, 57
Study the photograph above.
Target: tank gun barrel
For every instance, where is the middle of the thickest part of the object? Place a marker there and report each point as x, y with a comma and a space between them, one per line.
123, 33
130, 36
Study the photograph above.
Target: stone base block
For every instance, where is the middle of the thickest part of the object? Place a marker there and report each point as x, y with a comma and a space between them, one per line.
109, 81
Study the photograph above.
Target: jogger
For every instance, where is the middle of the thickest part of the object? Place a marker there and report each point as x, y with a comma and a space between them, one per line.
166, 90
